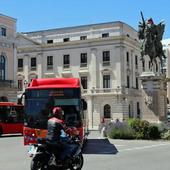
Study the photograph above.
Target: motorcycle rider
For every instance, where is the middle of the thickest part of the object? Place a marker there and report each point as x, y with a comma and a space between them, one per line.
55, 125
55, 130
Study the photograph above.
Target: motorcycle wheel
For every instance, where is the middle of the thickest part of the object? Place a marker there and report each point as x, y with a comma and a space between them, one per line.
37, 163
77, 163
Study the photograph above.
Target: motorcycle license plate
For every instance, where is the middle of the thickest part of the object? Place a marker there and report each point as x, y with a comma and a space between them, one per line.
32, 150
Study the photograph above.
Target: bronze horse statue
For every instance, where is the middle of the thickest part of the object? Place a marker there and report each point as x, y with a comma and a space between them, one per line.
151, 34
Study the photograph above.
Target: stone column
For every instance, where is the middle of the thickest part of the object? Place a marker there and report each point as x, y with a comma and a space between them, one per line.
26, 69
90, 112
93, 67
39, 65
153, 97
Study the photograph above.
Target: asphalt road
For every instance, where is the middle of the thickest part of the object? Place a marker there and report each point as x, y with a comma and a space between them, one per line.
99, 154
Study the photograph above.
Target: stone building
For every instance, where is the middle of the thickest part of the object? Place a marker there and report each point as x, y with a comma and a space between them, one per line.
8, 69
106, 58
166, 47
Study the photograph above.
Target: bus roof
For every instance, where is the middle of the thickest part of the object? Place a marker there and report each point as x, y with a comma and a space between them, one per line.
43, 83
9, 104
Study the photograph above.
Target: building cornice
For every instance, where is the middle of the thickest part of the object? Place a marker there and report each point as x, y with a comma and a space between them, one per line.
7, 17
81, 44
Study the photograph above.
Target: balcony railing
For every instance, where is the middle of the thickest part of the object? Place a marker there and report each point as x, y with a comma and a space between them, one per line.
20, 68
106, 63
83, 65
33, 68
113, 91
6, 83
49, 67
65, 66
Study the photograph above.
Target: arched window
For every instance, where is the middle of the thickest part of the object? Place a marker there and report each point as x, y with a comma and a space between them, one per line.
2, 67
107, 111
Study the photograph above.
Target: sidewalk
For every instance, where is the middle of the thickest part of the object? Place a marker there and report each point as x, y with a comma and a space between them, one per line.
94, 134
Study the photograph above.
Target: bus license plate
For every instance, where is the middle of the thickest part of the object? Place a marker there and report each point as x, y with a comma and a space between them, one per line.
32, 150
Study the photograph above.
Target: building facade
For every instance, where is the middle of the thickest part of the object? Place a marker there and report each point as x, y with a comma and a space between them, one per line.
8, 59
166, 68
106, 58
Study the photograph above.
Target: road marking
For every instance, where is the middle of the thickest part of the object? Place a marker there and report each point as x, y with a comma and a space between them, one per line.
120, 145
144, 147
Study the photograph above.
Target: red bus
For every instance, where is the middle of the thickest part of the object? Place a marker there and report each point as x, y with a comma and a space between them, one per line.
42, 95
11, 118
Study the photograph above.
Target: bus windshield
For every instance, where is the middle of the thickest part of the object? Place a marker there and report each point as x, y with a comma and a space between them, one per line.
39, 104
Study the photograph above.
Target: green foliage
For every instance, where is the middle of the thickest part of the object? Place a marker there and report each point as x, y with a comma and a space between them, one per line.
153, 132
141, 128
166, 135
122, 133
135, 129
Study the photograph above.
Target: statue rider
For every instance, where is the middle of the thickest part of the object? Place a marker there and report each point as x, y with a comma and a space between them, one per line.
151, 34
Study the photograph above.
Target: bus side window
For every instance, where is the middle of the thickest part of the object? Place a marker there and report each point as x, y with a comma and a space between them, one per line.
12, 116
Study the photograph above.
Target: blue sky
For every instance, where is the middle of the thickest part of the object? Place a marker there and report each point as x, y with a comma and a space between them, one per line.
34, 15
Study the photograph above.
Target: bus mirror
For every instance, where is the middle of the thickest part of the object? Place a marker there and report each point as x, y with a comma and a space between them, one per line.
84, 103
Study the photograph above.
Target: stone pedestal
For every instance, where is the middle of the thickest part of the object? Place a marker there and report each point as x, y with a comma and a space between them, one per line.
154, 97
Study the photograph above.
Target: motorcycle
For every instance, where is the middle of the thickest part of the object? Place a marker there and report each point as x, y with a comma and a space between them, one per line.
44, 157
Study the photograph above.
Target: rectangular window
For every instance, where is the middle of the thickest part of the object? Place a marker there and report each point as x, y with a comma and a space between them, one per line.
136, 62
138, 110
49, 41
128, 82
66, 61
106, 58
20, 64
83, 60
66, 39
84, 82
49, 62
2, 74
3, 31
127, 58
83, 38
137, 83
106, 81
33, 63
20, 85
143, 65
105, 35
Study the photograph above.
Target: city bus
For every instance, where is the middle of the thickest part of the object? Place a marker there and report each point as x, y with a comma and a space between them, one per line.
42, 95
11, 118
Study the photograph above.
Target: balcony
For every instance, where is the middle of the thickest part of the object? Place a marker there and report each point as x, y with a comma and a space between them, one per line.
84, 70
96, 91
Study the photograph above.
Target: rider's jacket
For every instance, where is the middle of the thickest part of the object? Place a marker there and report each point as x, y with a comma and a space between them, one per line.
54, 127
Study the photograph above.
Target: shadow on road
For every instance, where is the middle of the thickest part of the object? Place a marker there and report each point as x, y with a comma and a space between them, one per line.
99, 146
